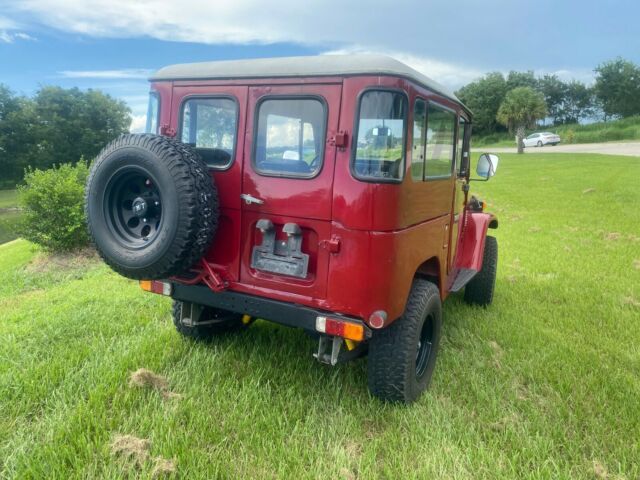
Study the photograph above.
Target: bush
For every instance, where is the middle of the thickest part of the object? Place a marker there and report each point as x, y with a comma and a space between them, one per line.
53, 203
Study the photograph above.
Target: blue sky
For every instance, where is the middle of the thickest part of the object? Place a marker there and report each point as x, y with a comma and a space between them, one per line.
114, 44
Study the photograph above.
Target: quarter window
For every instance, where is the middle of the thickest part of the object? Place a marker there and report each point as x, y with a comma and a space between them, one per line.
290, 137
441, 127
380, 139
209, 125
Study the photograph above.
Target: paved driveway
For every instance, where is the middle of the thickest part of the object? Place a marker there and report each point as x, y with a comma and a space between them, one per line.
610, 148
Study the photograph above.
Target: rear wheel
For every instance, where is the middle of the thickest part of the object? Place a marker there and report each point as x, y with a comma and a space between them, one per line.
213, 321
402, 357
479, 291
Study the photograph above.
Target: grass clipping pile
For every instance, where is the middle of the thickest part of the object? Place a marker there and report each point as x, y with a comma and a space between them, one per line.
135, 452
143, 378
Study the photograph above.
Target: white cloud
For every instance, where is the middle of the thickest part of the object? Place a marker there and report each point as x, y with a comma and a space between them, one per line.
8, 33
450, 75
127, 73
138, 123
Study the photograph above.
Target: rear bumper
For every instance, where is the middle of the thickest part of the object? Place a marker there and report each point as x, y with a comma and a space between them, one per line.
284, 313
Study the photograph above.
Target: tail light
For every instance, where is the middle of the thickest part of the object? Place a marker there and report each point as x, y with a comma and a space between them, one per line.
340, 328
154, 286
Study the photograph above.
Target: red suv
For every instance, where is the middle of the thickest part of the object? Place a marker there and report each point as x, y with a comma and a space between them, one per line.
328, 193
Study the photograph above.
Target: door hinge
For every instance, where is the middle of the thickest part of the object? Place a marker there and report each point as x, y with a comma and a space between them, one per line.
167, 131
340, 139
332, 245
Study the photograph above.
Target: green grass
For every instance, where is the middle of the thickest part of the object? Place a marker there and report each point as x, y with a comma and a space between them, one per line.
9, 216
543, 384
617, 130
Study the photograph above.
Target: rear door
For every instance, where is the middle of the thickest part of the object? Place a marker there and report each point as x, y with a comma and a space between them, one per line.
287, 187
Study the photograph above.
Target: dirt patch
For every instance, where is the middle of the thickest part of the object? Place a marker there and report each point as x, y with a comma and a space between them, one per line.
631, 301
132, 449
612, 236
599, 471
588, 190
535, 230
162, 467
497, 353
636, 264
143, 378
79, 259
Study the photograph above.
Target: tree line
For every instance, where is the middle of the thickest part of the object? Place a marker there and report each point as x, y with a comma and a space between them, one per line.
55, 126
614, 94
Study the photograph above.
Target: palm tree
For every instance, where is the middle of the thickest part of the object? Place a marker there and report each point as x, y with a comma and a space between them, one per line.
520, 109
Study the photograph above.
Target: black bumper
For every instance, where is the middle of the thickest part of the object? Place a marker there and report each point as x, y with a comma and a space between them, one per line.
284, 313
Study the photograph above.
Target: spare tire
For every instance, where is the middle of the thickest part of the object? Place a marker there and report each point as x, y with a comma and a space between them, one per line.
151, 205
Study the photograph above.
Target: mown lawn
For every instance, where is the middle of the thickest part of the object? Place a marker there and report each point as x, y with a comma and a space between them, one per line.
9, 215
544, 384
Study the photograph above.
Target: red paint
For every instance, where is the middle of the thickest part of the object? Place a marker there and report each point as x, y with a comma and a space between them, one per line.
366, 241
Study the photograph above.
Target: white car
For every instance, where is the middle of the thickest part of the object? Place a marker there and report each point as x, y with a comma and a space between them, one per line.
540, 139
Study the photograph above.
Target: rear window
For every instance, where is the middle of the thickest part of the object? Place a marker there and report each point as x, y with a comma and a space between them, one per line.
290, 137
379, 152
441, 128
209, 125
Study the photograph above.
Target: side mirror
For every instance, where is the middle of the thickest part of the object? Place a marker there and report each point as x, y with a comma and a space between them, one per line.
487, 165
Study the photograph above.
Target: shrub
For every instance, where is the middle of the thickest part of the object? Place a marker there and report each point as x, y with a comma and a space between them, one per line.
570, 136
53, 203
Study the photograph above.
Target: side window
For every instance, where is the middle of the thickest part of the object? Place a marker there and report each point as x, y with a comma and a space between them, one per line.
290, 137
153, 113
417, 150
379, 150
209, 125
441, 127
462, 126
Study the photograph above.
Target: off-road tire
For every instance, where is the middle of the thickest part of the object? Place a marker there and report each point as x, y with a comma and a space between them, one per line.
189, 206
229, 322
479, 291
391, 368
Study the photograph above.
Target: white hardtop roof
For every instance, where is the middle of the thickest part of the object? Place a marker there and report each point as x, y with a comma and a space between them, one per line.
322, 65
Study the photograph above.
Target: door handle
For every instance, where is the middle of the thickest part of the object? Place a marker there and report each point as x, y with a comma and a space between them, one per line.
249, 199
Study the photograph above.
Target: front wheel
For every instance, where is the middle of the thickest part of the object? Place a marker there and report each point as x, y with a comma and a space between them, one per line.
402, 357
539, 143
479, 291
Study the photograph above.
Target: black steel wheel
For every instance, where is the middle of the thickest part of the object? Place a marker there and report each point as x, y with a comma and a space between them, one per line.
133, 207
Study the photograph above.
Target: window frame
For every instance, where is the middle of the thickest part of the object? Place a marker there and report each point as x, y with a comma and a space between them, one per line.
256, 122
461, 135
356, 125
206, 96
455, 139
156, 95
417, 99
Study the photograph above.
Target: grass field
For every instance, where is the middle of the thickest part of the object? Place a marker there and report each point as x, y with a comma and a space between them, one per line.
9, 216
543, 384
626, 129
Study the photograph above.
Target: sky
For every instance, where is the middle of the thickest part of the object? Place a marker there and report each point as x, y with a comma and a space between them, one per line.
113, 45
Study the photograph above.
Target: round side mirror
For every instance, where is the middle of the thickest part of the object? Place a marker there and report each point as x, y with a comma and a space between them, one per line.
487, 165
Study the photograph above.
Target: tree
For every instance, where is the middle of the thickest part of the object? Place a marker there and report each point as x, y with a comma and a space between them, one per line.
521, 79
57, 126
578, 102
521, 108
554, 91
484, 97
617, 87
